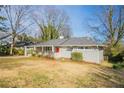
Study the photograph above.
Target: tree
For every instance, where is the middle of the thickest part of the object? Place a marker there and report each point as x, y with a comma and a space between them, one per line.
111, 28
52, 23
17, 21
49, 32
2, 21
2, 24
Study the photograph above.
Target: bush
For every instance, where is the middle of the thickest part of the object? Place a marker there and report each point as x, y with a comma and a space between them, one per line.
116, 59
76, 56
39, 55
115, 53
118, 66
4, 50
33, 54
15, 51
20, 51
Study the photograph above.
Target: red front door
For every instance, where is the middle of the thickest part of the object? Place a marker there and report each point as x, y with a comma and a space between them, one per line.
57, 50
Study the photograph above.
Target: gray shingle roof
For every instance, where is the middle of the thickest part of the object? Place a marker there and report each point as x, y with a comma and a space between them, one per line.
54, 42
76, 41
80, 41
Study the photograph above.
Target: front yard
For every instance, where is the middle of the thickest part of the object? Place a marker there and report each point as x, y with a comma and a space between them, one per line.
42, 72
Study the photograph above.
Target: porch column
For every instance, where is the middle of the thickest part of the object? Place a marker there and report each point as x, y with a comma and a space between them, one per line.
25, 50
97, 47
42, 49
52, 50
34, 47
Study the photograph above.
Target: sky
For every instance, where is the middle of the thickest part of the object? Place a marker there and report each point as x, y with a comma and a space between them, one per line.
80, 17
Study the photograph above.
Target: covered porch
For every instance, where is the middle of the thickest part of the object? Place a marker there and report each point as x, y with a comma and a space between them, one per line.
40, 50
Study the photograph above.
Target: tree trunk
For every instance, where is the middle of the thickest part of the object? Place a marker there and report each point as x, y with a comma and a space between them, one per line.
11, 49
12, 46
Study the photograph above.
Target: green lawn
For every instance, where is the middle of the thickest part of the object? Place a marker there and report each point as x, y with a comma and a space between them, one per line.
42, 72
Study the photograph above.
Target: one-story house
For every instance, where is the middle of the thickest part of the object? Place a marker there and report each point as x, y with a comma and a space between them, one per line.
62, 48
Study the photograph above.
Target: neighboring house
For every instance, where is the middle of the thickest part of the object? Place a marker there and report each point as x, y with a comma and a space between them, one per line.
62, 48
21, 44
4, 38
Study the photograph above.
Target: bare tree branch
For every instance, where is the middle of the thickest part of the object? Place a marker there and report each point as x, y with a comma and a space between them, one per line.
17, 22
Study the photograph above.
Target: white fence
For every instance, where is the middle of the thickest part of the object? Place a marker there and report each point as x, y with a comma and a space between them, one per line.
93, 56
63, 53
89, 55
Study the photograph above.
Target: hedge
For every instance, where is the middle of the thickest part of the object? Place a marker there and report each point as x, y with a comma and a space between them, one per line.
76, 56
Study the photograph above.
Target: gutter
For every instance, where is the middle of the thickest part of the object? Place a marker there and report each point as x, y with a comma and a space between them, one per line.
64, 45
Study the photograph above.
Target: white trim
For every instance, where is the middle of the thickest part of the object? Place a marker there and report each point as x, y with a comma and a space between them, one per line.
65, 45
79, 45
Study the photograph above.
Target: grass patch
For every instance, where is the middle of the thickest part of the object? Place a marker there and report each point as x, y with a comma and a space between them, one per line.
46, 73
27, 79
42, 80
96, 81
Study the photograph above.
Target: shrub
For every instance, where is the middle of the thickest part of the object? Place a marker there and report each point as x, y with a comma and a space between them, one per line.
15, 51
39, 55
118, 66
20, 51
116, 59
4, 50
76, 56
115, 54
33, 54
